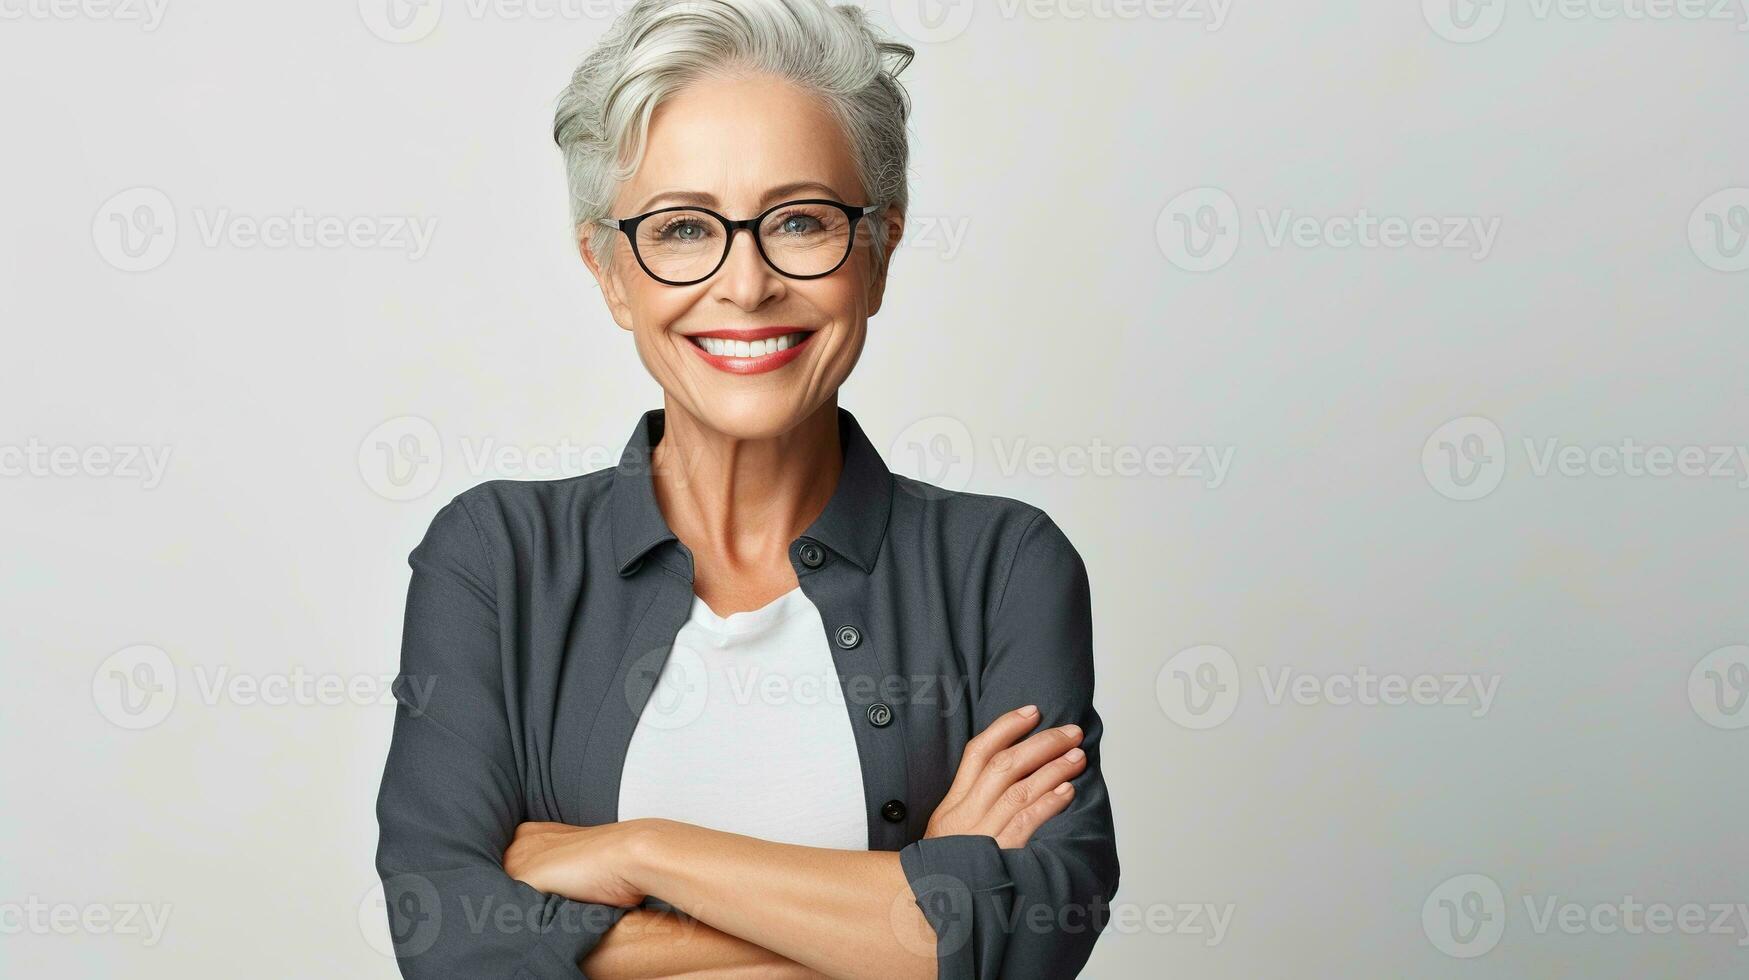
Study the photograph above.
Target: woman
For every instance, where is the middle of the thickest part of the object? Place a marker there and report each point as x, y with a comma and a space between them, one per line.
607, 699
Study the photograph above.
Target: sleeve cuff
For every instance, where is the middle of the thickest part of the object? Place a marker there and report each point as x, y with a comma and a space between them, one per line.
574, 930
964, 890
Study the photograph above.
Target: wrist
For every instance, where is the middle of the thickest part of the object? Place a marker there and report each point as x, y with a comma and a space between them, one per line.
644, 853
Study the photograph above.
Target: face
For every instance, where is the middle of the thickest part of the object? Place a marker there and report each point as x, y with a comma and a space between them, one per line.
739, 146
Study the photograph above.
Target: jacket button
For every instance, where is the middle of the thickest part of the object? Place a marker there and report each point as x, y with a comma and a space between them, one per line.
879, 715
893, 811
849, 637
811, 554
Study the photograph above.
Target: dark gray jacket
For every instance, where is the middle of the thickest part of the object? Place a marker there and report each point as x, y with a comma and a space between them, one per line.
541, 613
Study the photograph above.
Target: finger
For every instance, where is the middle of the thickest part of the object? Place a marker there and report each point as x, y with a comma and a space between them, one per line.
1000, 734
1011, 765
1021, 827
1027, 791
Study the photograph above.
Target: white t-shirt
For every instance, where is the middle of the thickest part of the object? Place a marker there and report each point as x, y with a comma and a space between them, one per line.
746, 731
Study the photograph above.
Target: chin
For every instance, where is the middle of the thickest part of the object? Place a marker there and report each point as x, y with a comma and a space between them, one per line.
754, 414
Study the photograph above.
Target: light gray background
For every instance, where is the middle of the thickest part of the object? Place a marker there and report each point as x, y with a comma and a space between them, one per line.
1044, 300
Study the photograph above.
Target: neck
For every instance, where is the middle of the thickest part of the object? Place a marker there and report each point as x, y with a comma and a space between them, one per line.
742, 501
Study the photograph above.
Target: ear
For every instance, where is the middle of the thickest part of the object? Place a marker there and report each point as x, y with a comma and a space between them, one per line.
606, 276
890, 225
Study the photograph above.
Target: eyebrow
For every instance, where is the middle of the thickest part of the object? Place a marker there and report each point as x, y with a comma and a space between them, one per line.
772, 195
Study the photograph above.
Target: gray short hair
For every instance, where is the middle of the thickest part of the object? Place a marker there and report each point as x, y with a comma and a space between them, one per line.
657, 47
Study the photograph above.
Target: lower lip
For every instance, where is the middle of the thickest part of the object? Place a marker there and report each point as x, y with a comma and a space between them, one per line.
753, 365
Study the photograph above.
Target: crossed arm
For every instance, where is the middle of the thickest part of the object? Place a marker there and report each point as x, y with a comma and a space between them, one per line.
762, 908
1014, 872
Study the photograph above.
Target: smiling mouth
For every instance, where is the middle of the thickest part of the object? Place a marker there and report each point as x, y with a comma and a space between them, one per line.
751, 351
748, 349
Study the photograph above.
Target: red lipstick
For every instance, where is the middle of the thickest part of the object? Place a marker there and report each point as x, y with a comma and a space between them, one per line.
725, 342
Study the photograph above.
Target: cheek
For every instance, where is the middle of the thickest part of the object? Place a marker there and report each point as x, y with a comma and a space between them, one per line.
655, 308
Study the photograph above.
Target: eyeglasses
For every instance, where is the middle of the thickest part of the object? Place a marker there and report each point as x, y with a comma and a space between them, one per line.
682, 246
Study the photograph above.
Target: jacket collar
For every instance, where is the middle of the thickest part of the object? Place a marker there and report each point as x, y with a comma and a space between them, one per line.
854, 523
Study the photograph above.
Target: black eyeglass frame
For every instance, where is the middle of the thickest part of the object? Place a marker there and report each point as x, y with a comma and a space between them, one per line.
851, 211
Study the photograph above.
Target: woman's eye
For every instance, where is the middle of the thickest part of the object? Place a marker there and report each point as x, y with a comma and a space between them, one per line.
800, 224
686, 231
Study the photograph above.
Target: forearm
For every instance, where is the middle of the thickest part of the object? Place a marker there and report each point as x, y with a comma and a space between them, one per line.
843, 913
652, 943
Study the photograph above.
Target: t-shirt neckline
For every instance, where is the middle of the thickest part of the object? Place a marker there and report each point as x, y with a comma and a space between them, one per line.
751, 620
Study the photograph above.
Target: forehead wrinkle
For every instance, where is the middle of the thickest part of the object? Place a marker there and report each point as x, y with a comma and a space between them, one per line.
747, 153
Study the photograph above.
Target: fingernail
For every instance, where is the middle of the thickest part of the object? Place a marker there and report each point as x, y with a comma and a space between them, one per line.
1063, 789
1074, 755
1030, 710
1073, 731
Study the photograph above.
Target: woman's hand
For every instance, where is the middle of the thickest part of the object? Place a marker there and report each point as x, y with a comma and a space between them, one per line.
584, 864
1007, 791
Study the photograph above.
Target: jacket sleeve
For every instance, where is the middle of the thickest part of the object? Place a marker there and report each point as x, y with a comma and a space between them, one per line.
452, 794
1032, 911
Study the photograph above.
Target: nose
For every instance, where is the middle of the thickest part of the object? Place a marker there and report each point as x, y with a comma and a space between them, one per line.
745, 279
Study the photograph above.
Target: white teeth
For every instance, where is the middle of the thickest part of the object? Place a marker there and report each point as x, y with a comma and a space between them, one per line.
723, 347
